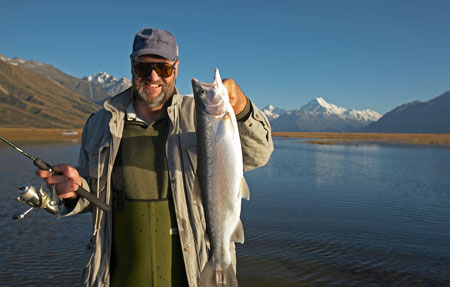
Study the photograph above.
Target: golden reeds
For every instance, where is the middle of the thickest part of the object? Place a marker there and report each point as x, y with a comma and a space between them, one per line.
34, 134
354, 138
39, 135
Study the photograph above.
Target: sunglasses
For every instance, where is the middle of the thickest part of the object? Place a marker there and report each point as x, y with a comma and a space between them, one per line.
144, 69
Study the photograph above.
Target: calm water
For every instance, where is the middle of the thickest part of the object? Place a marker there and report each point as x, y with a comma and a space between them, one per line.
371, 215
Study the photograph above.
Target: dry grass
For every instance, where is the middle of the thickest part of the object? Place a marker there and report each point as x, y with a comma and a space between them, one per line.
38, 135
45, 135
355, 138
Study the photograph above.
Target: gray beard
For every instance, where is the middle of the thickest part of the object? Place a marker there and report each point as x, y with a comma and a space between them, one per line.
167, 92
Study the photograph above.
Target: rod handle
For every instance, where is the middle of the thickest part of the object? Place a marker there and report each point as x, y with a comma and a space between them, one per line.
41, 164
92, 198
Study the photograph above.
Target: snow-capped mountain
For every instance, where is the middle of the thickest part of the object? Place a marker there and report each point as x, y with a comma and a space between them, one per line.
27, 64
13, 61
320, 116
320, 106
272, 112
110, 84
92, 92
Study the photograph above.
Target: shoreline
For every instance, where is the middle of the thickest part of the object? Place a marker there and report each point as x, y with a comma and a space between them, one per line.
327, 138
41, 135
356, 138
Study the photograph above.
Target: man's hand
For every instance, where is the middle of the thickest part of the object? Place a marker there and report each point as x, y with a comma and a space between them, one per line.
237, 98
67, 182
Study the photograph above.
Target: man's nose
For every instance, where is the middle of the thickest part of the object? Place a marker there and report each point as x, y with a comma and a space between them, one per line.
153, 76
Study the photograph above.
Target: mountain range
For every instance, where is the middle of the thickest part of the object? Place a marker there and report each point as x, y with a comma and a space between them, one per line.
29, 99
110, 84
319, 116
432, 116
91, 91
35, 94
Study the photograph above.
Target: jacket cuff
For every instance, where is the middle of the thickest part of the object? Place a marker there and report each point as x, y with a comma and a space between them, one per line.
243, 116
80, 203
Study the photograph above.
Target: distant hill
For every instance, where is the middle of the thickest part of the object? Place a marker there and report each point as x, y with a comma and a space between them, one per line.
112, 85
320, 116
28, 99
432, 116
90, 90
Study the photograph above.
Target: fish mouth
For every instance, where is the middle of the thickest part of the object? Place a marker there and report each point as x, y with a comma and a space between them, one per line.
216, 109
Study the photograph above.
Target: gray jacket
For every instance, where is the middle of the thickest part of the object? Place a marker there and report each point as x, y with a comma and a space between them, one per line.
100, 144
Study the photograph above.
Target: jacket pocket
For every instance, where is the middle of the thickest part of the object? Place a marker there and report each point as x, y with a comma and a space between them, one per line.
86, 273
189, 151
98, 154
89, 252
189, 157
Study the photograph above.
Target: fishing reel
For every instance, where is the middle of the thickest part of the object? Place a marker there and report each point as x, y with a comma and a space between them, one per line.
29, 195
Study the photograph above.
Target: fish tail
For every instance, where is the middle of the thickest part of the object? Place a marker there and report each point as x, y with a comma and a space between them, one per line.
217, 278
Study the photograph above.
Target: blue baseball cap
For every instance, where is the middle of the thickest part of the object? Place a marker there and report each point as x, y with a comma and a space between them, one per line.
152, 41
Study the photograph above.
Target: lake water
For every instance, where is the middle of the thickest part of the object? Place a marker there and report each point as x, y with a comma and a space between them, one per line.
319, 215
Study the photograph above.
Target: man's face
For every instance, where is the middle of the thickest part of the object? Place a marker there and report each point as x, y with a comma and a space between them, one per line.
154, 90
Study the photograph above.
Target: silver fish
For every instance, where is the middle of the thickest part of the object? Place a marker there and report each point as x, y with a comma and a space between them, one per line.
220, 177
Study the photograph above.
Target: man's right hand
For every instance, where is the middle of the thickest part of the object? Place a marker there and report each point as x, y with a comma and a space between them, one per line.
67, 180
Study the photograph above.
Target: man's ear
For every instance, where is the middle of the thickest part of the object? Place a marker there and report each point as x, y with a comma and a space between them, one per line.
176, 69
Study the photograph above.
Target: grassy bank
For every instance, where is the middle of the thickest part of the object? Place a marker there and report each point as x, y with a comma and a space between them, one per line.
355, 138
40, 135
45, 135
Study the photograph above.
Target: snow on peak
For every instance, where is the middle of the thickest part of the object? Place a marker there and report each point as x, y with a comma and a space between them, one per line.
109, 83
320, 105
14, 61
320, 108
272, 112
321, 101
101, 78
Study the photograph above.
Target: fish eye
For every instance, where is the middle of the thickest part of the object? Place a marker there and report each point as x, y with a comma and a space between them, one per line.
202, 92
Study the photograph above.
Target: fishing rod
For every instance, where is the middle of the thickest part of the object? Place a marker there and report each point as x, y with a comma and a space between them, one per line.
29, 195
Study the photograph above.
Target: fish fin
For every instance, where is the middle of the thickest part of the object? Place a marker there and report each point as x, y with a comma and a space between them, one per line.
217, 278
238, 233
244, 190
228, 120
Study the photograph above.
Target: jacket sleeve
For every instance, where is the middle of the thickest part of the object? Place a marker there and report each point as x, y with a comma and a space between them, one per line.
256, 139
80, 205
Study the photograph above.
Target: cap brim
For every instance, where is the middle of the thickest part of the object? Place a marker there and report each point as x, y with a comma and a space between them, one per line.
152, 52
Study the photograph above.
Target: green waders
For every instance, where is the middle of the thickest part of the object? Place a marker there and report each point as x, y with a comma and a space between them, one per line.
146, 249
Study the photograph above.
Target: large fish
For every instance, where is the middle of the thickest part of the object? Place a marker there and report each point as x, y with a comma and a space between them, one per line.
220, 176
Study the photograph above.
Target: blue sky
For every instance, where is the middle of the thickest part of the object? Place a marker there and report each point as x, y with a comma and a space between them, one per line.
355, 54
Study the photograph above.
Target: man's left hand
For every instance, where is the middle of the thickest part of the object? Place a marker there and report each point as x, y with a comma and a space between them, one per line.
237, 98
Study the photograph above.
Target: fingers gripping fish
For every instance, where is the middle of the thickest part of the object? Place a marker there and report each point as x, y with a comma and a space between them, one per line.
220, 176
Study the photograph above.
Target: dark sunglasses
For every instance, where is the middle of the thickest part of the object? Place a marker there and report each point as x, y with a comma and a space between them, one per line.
144, 69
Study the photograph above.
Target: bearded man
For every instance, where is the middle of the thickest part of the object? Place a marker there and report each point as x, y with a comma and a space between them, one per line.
138, 154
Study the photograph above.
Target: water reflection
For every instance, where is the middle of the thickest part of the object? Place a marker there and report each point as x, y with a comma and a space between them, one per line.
366, 215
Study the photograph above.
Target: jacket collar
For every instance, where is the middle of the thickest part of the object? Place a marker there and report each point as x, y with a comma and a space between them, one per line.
120, 102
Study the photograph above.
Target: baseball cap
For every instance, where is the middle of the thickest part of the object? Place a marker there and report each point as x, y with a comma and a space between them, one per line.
152, 41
